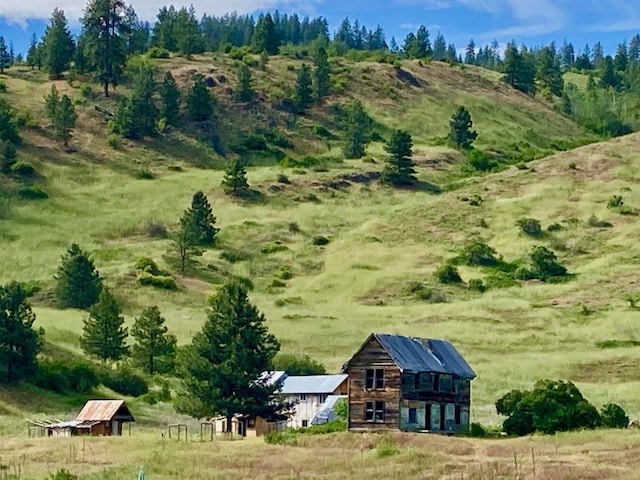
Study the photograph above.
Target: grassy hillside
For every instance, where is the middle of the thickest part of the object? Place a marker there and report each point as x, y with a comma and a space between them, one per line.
376, 274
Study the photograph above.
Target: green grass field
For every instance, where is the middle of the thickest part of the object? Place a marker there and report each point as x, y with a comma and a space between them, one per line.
382, 241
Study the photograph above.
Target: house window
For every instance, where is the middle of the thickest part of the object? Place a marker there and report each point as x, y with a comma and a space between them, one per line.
457, 415
436, 382
303, 396
413, 415
305, 423
374, 412
446, 383
322, 398
374, 379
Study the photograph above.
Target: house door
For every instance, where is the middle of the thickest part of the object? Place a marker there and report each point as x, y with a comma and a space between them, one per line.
115, 425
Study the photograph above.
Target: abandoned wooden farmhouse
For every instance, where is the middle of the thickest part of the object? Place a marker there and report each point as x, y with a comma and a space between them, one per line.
409, 384
97, 417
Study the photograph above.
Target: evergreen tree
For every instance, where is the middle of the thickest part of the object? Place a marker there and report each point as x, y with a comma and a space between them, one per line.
519, 72
621, 60
568, 55
549, 71
65, 120
399, 169
5, 59
357, 131
598, 55
78, 283
170, 97
423, 42
439, 48
303, 96
19, 343
583, 61
566, 106
222, 368
634, 48
235, 181
137, 36
265, 38
143, 106
81, 62
106, 32
187, 33
461, 125
322, 75
58, 45
164, 30
52, 102
104, 334
200, 101
8, 129
244, 92
185, 241
124, 120
609, 77
470, 53
203, 219
8, 156
452, 54
33, 52
154, 348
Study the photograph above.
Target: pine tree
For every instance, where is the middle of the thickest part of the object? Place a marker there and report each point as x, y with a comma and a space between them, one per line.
154, 348
399, 169
5, 59
461, 133
303, 96
106, 30
598, 55
566, 106
187, 33
357, 131
185, 241
200, 101
137, 36
634, 48
8, 156
235, 181
52, 102
8, 129
609, 77
164, 31
170, 97
58, 45
104, 335
203, 220
32, 54
621, 60
222, 368
124, 120
78, 283
144, 109
65, 120
549, 71
470, 53
19, 343
322, 75
265, 37
244, 92
519, 72
439, 48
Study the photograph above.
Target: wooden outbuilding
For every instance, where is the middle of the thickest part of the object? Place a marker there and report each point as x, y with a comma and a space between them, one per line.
409, 384
97, 418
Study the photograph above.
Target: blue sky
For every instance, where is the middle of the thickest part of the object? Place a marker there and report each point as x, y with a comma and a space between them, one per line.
533, 22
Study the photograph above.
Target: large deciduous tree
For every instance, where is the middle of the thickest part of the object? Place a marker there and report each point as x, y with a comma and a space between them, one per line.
19, 343
104, 335
78, 283
104, 24
222, 368
154, 348
58, 45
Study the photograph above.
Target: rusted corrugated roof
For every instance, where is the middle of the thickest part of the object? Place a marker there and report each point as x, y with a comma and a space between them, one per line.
101, 410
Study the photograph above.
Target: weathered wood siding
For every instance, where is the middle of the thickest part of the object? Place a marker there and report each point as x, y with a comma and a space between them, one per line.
373, 356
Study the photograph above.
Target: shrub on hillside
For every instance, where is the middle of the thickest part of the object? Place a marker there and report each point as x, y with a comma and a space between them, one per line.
63, 474
448, 273
124, 381
32, 193
480, 161
530, 226
320, 241
476, 284
158, 52
23, 169
545, 265
66, 376
613, 416
552, 406
615, 201
158, 281
479, 254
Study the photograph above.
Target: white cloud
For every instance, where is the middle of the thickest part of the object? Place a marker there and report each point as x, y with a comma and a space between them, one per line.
18, 11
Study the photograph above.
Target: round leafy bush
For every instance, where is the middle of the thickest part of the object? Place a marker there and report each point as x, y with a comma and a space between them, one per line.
448, 273
530, 226
613, 416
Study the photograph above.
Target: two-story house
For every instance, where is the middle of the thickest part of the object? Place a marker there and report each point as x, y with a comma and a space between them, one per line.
409, 384
307, 394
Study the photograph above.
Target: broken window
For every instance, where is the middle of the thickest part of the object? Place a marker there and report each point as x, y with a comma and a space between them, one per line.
374, 379
374, 412
413, 415
458, 414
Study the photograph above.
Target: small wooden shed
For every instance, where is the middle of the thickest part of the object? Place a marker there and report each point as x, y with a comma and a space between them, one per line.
97, 418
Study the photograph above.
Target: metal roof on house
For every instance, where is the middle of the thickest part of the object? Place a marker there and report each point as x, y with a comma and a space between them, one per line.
415, 355
103, 410
312, 384
272, 378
